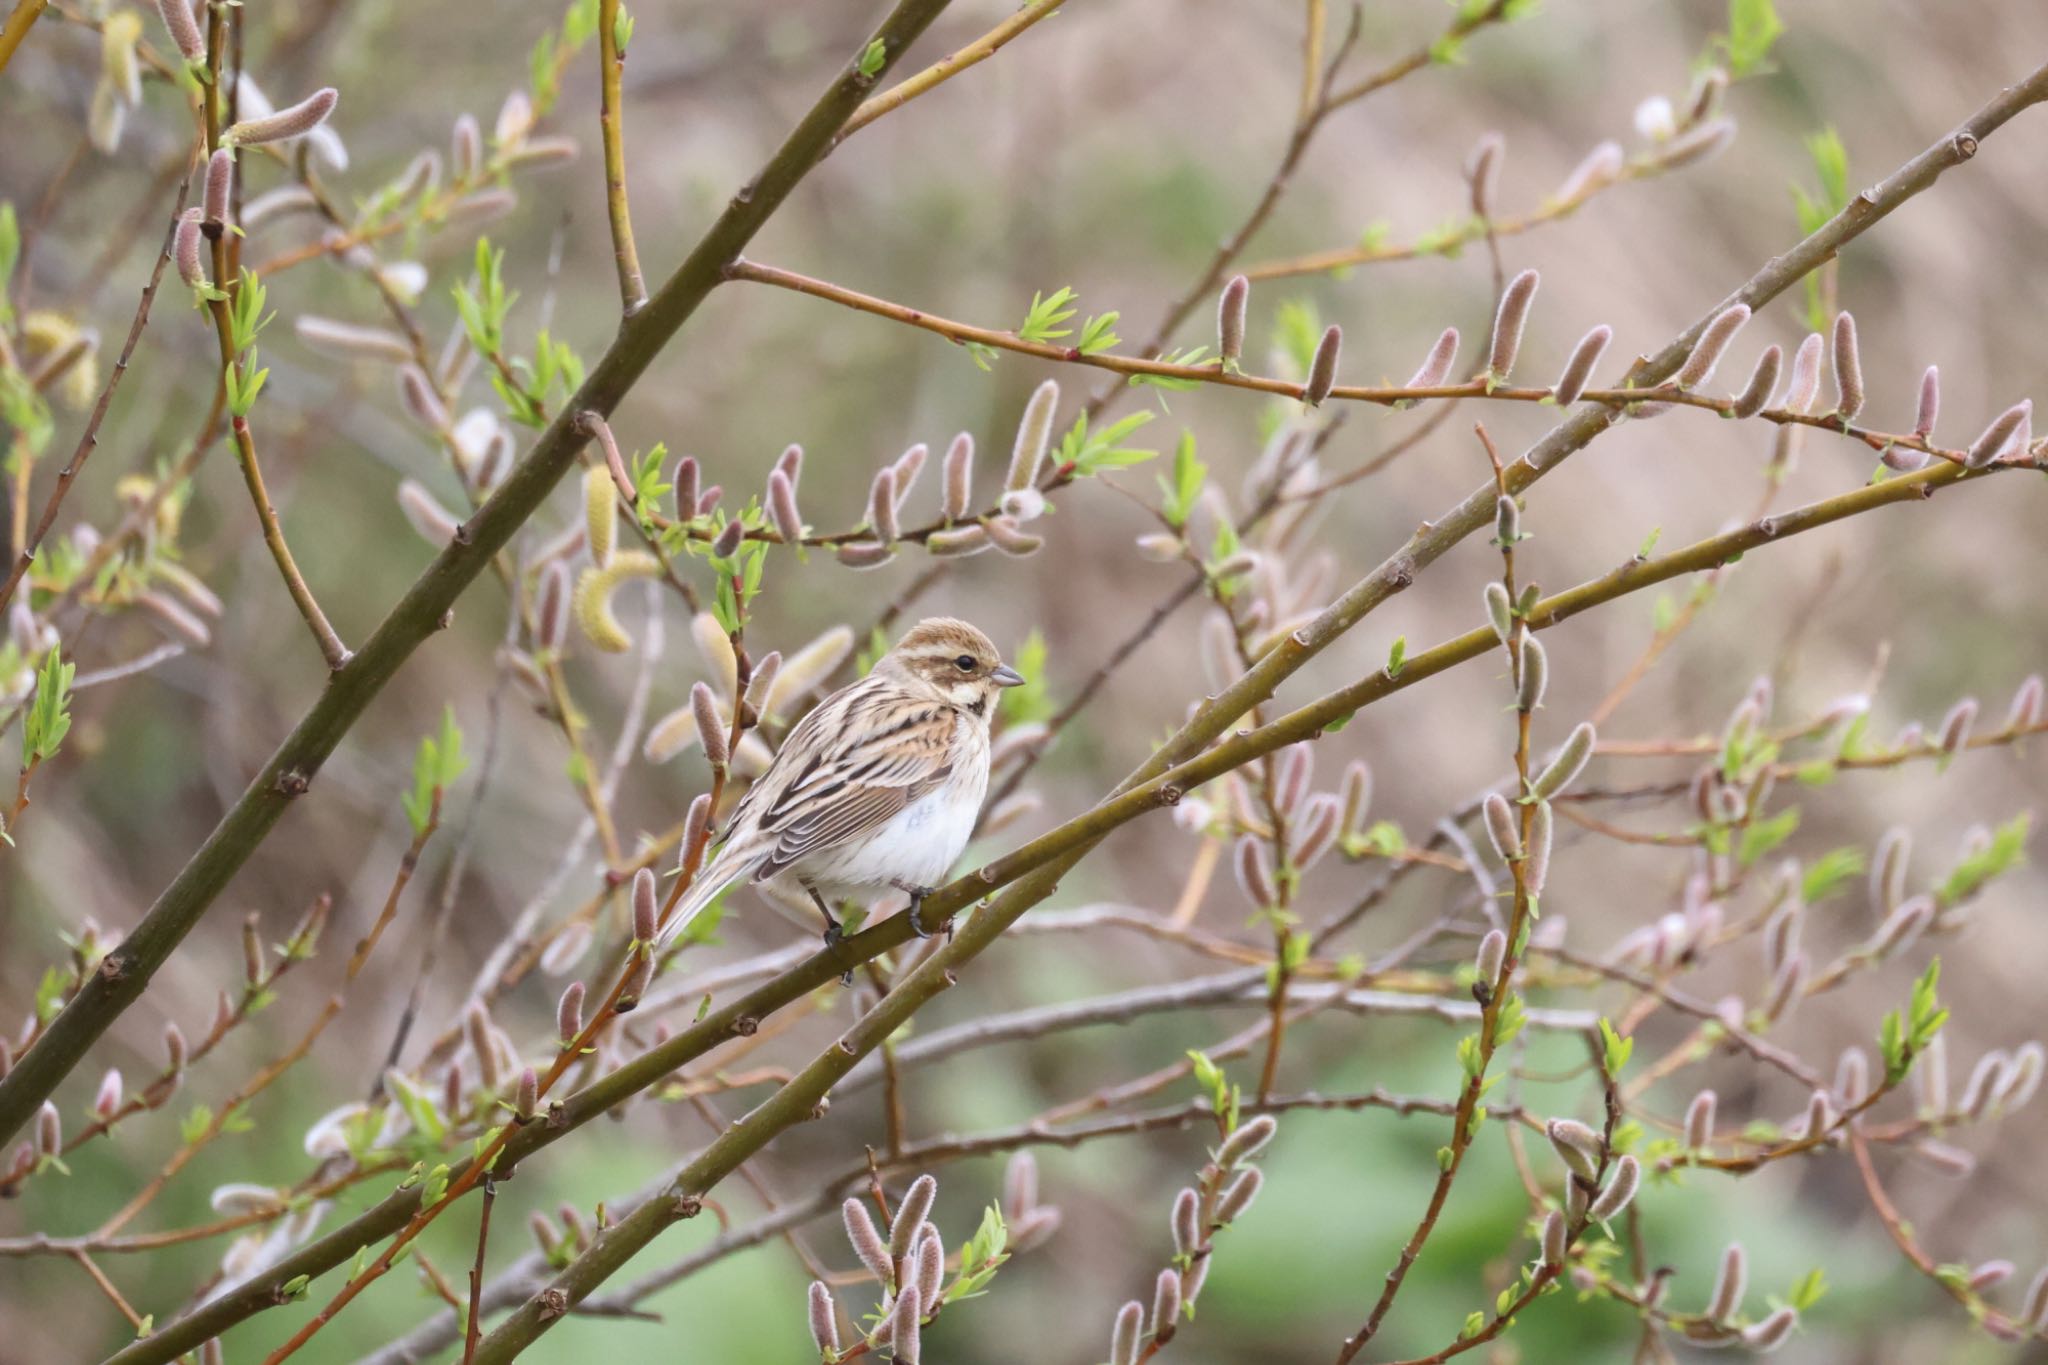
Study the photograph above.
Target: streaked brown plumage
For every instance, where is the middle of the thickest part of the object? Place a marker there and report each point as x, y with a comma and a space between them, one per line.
879, 785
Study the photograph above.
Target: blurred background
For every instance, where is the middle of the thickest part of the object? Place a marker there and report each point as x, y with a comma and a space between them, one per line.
1108, 149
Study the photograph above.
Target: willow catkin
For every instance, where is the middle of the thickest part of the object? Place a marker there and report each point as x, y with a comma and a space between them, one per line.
593, 598
220, 183
1999, 436
1034, 432
782, 508
911, 1213
1437, 364
1698, 143
1930, 403
1804, 388
1500, 611
1501, 828
1576, 1145
1230, 317
1482, 172
1628, 1175
1729, 1283
295, 121
1699, 1120
600, 515
1707, 351
551, 607
185, 247
184, 28
956, 478
1579, 368
1322, 369
957, 542
1571, 758
1508, 322
1599, 169
1535, 675
465, 148
433, 521
1486, 963
1536, 860
824, 1319
1848, 368
1012, 539
882, 506
711, 730
1763, 382
349, 340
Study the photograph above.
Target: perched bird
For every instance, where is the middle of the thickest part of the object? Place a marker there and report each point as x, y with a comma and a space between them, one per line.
877, 787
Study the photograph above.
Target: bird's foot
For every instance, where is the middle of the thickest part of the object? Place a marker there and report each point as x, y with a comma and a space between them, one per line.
916, 911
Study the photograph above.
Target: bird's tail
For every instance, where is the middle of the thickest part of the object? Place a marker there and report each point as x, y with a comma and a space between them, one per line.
721, 872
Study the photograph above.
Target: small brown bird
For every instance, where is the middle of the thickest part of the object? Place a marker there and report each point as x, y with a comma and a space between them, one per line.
878, 787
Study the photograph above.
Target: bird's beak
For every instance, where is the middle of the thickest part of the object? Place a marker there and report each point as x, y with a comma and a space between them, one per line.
1006, 676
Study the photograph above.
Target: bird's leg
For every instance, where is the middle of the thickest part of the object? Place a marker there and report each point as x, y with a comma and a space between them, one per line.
835, 932
917, 895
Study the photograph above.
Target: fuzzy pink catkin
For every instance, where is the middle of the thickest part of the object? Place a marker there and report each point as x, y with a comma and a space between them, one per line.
1763, 382
1804, 387
1230, 317
1848, 368
956, 478
2000, 435
1930, 402
220, 179
911, 1213
1579, 368
1482, 172
1437, 364
185, 247
1598, 170
184, 28
1508, 322
1707, 351
569, 1013
1322, 368
789, 522
295, 121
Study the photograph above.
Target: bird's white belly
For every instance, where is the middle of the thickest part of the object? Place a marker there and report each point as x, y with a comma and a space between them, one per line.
918, 846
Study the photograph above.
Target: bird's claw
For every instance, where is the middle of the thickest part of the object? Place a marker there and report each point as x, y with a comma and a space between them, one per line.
916, 911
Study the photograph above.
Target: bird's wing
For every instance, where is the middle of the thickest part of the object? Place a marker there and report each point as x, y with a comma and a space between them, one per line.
870, 754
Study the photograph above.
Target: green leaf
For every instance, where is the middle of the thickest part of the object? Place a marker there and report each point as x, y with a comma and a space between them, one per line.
48, 718
1397, 656
1615, 1049
1761, 837
873, 58
436, 765
1753, 28
1297, 331
1831, 872
1091, 452
51, 989
1032, 701
1178, 495
1043, 322
2007, 850
1809, 1289
10, 253
1096, 336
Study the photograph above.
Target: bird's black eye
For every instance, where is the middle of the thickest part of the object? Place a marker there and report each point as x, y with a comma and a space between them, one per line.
965, 663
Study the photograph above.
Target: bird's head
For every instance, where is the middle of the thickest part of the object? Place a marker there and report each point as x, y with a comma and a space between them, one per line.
952, 662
